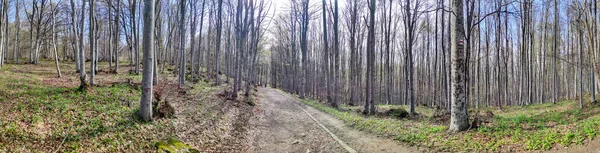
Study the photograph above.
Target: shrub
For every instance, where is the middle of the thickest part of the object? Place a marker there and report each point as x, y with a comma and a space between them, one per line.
397, 113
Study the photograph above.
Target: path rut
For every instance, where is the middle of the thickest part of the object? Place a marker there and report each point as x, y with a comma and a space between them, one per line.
281, 126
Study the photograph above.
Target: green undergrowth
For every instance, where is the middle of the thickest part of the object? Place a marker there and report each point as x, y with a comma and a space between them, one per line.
37, 114
174, 146
537, 127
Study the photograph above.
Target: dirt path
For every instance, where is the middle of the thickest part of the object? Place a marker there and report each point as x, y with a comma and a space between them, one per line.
592, 146
281, 126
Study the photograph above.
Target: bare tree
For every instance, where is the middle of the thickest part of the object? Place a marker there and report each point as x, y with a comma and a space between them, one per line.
218, 45
336, 59
77, 33
193, 22
93, 44
54, 12
369, 104
182, 42
16, 50
325, 64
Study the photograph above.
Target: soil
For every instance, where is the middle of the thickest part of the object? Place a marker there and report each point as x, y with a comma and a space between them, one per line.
592, 146
281, 126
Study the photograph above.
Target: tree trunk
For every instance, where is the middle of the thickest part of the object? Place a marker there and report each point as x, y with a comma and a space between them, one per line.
193, 19
326, 55
182, 43
78, 43
18, 29
369, 104
146, 100
54, 42
92, 41
218, 45
458, 115
117, 36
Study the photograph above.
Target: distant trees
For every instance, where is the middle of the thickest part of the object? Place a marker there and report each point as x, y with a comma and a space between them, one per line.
510, 56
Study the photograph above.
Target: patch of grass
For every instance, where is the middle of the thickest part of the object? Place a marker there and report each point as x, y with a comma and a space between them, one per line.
100, 120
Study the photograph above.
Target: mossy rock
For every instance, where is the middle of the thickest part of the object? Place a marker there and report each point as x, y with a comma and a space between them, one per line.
174, 146
397, 113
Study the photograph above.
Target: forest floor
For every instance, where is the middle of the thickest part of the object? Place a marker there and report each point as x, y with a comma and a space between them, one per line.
561, 127
42, 113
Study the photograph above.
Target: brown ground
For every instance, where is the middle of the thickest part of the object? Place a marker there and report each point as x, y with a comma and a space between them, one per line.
588, 147
280, 122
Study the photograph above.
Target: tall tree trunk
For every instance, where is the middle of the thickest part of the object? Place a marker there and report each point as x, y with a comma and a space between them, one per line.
200, 51
92, 41
54, 41
16, 50
218, 45
556, 89
78, 43
458, 115
326, 55
182, 43
369, 104
304, 47
336, 49
135, 36
193, 19
146, 100
117, 36
580, 66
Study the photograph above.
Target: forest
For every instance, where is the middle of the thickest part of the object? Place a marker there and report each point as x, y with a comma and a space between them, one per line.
299, 76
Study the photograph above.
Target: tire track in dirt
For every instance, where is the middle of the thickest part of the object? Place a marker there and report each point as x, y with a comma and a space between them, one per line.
282, 111
279, 126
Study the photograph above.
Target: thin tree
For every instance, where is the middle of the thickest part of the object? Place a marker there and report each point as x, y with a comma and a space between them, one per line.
54, 12
304, 20
336, 58
194, 20
117, 36
16, 50
556, 89
218, 45
92, 41
79, 47
182, 43
200, 51
326, 55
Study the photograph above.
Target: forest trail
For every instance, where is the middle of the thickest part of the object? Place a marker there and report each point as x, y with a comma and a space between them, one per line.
282, 126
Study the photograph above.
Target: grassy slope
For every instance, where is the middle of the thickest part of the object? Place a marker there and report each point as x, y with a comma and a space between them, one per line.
534, 127
42, 113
